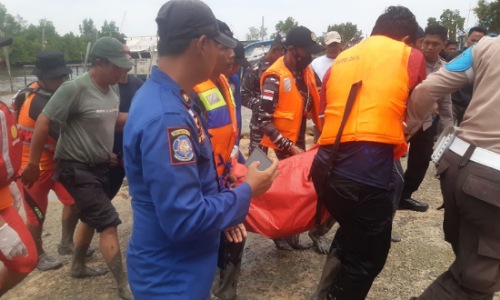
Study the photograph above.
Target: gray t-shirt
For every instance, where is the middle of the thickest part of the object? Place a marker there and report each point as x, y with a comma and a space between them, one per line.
87, 116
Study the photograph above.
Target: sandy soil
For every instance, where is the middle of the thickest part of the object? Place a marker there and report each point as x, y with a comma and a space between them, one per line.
268, 273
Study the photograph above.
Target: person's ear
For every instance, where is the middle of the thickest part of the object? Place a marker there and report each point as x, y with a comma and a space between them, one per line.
202, 44
406, 39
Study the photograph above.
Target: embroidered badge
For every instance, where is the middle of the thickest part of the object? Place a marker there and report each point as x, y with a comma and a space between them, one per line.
181, 145
199, 128
313, 37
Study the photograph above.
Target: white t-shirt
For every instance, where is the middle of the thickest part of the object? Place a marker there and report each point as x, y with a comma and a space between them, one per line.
321, 64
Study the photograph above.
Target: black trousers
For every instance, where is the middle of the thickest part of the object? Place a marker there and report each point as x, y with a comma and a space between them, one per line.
116, 176
419, 156
363, 239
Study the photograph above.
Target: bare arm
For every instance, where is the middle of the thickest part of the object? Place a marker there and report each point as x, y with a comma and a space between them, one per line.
120, 121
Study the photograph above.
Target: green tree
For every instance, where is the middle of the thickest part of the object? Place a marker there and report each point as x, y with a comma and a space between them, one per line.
10, 25
283, 27
432, 21
48, 36
349, 33
255, 33
110, 29
25, 47
488, 14
452, 20
87, 27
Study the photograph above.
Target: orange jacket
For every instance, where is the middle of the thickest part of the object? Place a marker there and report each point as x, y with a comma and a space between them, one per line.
379, 108
221, 120
287, 116
26, 128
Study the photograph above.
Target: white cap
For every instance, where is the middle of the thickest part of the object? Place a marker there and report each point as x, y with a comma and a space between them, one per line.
332, 37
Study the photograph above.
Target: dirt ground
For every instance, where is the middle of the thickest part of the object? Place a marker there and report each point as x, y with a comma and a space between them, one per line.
268, 273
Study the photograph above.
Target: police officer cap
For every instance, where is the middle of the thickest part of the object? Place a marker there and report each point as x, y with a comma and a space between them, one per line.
189, 19
50, 64
303, 38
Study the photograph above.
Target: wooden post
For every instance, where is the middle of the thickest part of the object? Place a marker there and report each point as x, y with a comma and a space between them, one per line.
7, 62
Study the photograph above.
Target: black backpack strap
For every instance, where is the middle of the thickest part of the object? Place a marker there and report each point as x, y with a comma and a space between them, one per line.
348, 108
21, 97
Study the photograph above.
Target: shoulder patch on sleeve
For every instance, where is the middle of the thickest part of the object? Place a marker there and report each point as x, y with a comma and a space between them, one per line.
180, 146
461, 63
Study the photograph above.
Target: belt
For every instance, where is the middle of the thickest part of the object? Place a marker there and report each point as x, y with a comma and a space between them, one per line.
481, 156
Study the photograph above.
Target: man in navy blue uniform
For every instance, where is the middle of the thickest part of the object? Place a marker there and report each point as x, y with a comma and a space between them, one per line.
179, 212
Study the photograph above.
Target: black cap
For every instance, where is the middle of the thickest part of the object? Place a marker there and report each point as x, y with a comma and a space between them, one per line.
50, 64
303, 38
186, 19
224, 28
239, 55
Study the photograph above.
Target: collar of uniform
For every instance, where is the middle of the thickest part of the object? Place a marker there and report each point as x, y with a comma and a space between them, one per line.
436, 65
166, 81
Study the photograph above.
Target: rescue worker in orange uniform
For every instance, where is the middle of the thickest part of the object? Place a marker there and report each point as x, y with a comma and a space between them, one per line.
215, 99
51, 71
289, 96
17, 248
354, 182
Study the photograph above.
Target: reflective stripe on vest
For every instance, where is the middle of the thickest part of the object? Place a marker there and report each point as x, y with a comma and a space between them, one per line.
5, 145
48, 146
289, 111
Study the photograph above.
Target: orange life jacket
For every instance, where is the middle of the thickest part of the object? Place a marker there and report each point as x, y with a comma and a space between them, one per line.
221, 120
26, 129
381, 63
287, 116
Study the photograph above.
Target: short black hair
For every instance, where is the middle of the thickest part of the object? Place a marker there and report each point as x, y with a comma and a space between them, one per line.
437, 29
477, 29
396, 23
419, 34
173, 47
451, 42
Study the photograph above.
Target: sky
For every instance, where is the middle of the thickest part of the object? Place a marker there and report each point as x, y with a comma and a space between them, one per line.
136, 18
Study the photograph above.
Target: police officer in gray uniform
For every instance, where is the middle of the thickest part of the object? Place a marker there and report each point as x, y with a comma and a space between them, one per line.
469, 172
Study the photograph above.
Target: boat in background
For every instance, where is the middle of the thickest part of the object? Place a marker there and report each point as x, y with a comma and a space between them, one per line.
143, 50
256, 50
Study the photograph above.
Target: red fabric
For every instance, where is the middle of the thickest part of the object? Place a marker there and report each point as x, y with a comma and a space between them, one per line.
19, 264
39, 192
289, 206
9, 165
416, 68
